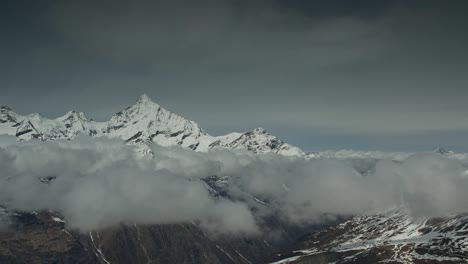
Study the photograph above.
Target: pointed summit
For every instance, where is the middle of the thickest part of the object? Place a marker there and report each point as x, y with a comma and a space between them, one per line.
260, 130
144, 106
144, 99
5, 108
147, 121
74, 115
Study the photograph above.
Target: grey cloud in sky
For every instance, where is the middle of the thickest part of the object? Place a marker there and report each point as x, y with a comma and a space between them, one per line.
389, 69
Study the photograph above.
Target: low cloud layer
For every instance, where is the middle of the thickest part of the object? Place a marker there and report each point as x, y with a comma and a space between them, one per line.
101, 183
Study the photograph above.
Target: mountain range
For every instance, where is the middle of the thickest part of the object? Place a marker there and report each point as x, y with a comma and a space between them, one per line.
141, 123
387, 237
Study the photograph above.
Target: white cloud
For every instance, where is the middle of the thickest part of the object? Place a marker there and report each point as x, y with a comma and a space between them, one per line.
101, 183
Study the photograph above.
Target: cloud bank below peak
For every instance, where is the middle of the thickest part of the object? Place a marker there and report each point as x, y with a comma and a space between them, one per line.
102, 183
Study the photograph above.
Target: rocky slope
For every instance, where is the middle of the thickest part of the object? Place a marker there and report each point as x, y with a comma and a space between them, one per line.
390, 237
143, 122
42, 238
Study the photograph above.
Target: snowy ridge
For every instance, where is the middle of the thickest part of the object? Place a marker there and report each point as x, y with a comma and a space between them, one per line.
143, 122
146, 121
38, 127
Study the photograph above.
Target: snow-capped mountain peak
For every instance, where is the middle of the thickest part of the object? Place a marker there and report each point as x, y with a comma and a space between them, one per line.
144, 121
145, 106
73, 115
443, 151
7, 115
260, 141
259, 130
4, 108
144, 99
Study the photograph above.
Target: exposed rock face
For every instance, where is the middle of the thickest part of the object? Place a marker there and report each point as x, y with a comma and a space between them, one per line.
7, 116
37, 238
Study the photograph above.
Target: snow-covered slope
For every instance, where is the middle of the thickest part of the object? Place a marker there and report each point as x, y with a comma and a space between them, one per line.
143, 122
392, 236
258, 141
38, 127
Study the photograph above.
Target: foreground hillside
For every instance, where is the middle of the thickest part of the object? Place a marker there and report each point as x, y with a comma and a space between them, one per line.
389, 237
43, 238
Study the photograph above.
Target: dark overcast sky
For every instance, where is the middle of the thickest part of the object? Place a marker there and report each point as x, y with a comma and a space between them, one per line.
389, 75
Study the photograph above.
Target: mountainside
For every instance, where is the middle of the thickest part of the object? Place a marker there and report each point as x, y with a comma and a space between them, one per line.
143, 122
389, 237
42, 237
